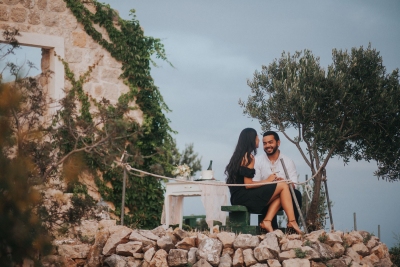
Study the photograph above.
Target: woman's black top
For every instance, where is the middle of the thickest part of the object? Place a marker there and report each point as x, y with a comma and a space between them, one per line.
255, 199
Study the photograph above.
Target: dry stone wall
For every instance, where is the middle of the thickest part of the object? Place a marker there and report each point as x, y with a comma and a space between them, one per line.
53, 18
119, 246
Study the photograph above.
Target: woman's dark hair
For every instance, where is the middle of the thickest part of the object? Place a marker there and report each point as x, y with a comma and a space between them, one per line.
246, 146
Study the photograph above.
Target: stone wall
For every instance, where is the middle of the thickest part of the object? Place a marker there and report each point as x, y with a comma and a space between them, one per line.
53, 18
108, 244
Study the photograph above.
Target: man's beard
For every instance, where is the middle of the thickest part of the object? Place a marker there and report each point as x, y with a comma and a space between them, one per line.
273, 151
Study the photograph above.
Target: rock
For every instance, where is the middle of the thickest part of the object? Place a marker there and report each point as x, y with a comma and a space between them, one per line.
115, 261
285, 255
381, 251
186, 243
333, 238
313, 236
148, 234
74, 251
338, 249
245, 241
361, 249
88, 228
229, 251
202, 263
336, 263
238, 260
210, 250
225, 261
291, 244
262, 253
120, 236
95, 258
325, 251
192, 256
296, 263
311, 254
135, 236
159, 259
357, 237
274, 263
159, 231
248, 257
384, 262
165, 243
370, 260
128, 249
180, 234
353, 255
227, 239
373, 242
148, 255
271, 242
177, 257
317, 264
132, 262
107, 224
56, 260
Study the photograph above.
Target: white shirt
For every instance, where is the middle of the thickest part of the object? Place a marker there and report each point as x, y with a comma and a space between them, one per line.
264, 167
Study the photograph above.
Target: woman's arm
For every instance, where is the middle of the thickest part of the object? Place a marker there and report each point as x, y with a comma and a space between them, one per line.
249, 181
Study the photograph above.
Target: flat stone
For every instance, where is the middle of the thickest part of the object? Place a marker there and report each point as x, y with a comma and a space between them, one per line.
115, 261
381, 251
210, 250
74, 251
336, 263
271, 241
159, 259
227, 239
225, 261
238, 260
129, 249
202, 263
338, 249
296, 263
361, 249
177, 257
248, 257
95, 257
119, 237
262, 254
186, 243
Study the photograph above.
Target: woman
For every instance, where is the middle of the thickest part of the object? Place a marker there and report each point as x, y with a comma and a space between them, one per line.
256, 195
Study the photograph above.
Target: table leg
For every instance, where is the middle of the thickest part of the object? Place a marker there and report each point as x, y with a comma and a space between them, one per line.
180, 210
167, 211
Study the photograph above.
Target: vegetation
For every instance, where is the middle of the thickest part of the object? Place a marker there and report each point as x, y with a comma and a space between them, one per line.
395, 251
22, 235
350, 110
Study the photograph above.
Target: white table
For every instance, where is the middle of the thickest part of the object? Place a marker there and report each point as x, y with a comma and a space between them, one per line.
180, 189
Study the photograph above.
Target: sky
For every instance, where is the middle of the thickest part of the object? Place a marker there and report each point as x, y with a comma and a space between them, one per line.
216, 46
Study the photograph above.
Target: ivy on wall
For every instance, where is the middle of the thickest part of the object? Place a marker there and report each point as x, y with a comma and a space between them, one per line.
150, 148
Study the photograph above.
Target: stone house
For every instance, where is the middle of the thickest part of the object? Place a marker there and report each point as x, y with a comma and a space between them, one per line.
51, 26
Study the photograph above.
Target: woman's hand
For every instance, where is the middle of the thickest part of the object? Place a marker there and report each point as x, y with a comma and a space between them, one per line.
272, 178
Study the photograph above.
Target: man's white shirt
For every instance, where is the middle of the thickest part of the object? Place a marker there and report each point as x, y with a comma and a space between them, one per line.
264, 167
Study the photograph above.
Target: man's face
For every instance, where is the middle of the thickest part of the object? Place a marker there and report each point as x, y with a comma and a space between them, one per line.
270, 145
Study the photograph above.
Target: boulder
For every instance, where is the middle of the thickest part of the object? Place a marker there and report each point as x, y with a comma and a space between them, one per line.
245, 241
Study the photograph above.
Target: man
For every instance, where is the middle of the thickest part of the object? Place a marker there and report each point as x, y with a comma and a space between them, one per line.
270, 162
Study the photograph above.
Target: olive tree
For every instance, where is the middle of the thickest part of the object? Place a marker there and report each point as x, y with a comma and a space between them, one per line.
349, 110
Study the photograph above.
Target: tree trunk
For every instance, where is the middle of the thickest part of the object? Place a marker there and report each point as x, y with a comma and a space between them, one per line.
312, 215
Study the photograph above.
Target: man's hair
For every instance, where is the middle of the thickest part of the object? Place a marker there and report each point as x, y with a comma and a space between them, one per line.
276, 136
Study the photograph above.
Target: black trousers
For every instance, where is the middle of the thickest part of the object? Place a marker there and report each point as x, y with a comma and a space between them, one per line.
296, 212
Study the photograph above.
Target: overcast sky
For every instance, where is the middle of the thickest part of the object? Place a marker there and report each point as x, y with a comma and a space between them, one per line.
215, 46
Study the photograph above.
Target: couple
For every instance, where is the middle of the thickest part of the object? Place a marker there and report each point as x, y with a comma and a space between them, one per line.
259, 195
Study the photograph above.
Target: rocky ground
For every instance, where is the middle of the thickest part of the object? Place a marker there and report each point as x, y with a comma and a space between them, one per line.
106, 244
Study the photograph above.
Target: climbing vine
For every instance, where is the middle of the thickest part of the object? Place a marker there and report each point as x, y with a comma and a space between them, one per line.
148, 144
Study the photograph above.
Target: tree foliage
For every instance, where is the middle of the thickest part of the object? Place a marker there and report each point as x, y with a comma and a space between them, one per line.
349, 110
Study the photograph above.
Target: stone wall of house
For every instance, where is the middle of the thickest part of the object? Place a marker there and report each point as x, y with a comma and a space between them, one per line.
52, 17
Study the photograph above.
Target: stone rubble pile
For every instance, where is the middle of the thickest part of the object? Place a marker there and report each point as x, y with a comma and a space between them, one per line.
120, 246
